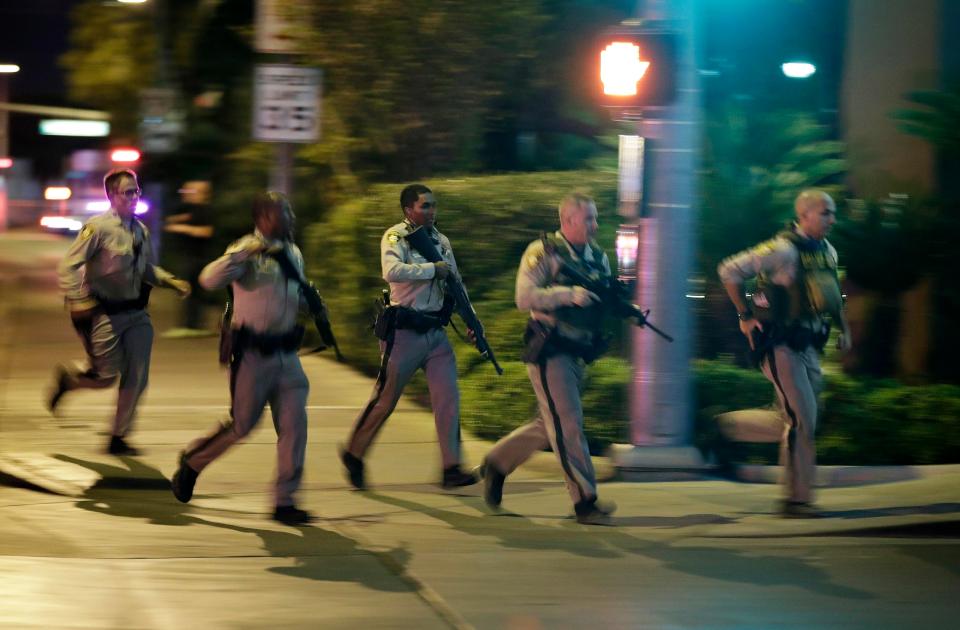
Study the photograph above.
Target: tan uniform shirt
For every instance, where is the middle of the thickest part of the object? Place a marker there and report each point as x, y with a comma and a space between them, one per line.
778, 259
109, 259
411, 277
537, 292
264, 299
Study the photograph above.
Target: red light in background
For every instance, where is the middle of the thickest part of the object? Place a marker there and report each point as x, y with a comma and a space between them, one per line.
125, 155
6, 162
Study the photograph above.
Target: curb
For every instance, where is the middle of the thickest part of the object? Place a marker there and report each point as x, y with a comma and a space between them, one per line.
844, 476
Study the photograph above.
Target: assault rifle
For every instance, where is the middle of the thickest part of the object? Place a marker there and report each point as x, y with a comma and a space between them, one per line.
318, 310
614, 296
420, 241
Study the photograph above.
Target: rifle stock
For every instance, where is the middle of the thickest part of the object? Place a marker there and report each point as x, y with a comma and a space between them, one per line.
420, 241
611, 294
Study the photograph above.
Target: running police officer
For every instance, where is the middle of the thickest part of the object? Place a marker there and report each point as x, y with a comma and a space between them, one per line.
412, 337
562, 335
786, 324
107, 275
264, 366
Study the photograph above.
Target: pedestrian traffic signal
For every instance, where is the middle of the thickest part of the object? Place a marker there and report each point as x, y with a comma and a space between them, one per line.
637, 68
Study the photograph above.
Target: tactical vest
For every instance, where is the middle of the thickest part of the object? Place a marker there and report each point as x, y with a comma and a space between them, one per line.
814, 292
588, 318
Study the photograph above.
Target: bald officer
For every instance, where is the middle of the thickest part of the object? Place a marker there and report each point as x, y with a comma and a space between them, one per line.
786, 325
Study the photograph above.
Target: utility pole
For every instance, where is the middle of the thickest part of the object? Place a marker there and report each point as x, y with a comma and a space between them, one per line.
661, 393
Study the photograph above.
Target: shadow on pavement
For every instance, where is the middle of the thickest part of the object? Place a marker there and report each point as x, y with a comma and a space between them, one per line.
513, 530
606, 542
907, 510
728, 565
319, 554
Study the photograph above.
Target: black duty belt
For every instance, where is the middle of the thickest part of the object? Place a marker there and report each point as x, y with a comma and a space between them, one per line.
420, 321
113, 307
266, 343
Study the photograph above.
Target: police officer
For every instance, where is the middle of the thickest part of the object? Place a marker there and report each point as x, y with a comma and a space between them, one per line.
785, 323
107, 275
562, 334
264, 366
413, 337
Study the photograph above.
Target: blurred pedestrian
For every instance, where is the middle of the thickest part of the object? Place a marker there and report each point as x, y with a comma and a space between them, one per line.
264, 271
192, 231
786, 322
107, 275
562, 335
412, 336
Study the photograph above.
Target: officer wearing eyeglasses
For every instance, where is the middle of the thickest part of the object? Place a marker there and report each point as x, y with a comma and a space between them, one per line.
107, 275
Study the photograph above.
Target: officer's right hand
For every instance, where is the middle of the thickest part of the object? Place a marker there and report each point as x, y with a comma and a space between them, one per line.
582, 297
83, 319
442, 269
748, 326
83, 315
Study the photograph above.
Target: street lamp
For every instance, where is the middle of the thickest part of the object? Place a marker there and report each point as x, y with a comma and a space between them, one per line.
798, 69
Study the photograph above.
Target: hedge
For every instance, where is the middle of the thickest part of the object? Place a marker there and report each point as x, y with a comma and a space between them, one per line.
489, 221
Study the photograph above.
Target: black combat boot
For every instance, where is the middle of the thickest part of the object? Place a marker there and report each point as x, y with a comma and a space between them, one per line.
183, 480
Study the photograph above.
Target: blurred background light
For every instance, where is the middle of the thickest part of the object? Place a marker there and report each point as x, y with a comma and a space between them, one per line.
95, 207
77, 128
798, 69
124, 155
56, 193
61, 223
9, 68
6, 162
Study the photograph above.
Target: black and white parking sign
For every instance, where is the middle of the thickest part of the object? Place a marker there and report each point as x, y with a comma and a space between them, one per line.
286, 105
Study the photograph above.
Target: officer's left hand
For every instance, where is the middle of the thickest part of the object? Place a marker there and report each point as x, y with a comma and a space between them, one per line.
471, 336
844, 342
182, 287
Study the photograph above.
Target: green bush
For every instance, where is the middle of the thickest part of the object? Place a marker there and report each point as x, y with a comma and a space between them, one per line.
490, 220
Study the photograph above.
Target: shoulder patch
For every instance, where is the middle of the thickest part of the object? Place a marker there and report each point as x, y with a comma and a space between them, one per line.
766, 247
85, 233
393, 237
533, 257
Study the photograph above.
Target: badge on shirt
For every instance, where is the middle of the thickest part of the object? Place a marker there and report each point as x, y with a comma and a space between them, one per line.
533, 259
393, 237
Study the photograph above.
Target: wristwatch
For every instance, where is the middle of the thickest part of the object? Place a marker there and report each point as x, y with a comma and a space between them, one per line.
745, 315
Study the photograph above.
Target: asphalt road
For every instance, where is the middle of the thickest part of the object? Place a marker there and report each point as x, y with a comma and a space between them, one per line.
95, 541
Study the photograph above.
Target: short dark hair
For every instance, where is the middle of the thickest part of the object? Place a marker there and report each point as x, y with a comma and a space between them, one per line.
110, 179
410, 195
269, 201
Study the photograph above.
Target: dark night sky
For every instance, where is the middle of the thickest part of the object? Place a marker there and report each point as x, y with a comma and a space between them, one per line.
33, 34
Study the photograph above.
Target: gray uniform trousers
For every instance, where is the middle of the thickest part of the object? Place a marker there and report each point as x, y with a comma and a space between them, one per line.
118, 345
259, 379
557, 382
402, 357
797, 378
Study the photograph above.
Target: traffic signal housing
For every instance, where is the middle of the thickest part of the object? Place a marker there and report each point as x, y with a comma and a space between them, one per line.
637, 67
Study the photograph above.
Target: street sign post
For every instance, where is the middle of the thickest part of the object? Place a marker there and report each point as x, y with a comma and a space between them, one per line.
286, 103
161, 120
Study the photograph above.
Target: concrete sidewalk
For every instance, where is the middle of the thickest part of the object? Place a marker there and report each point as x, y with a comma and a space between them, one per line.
94, 541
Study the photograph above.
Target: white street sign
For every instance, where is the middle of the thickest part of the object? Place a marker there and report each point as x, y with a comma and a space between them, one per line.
161, 122
286, 105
